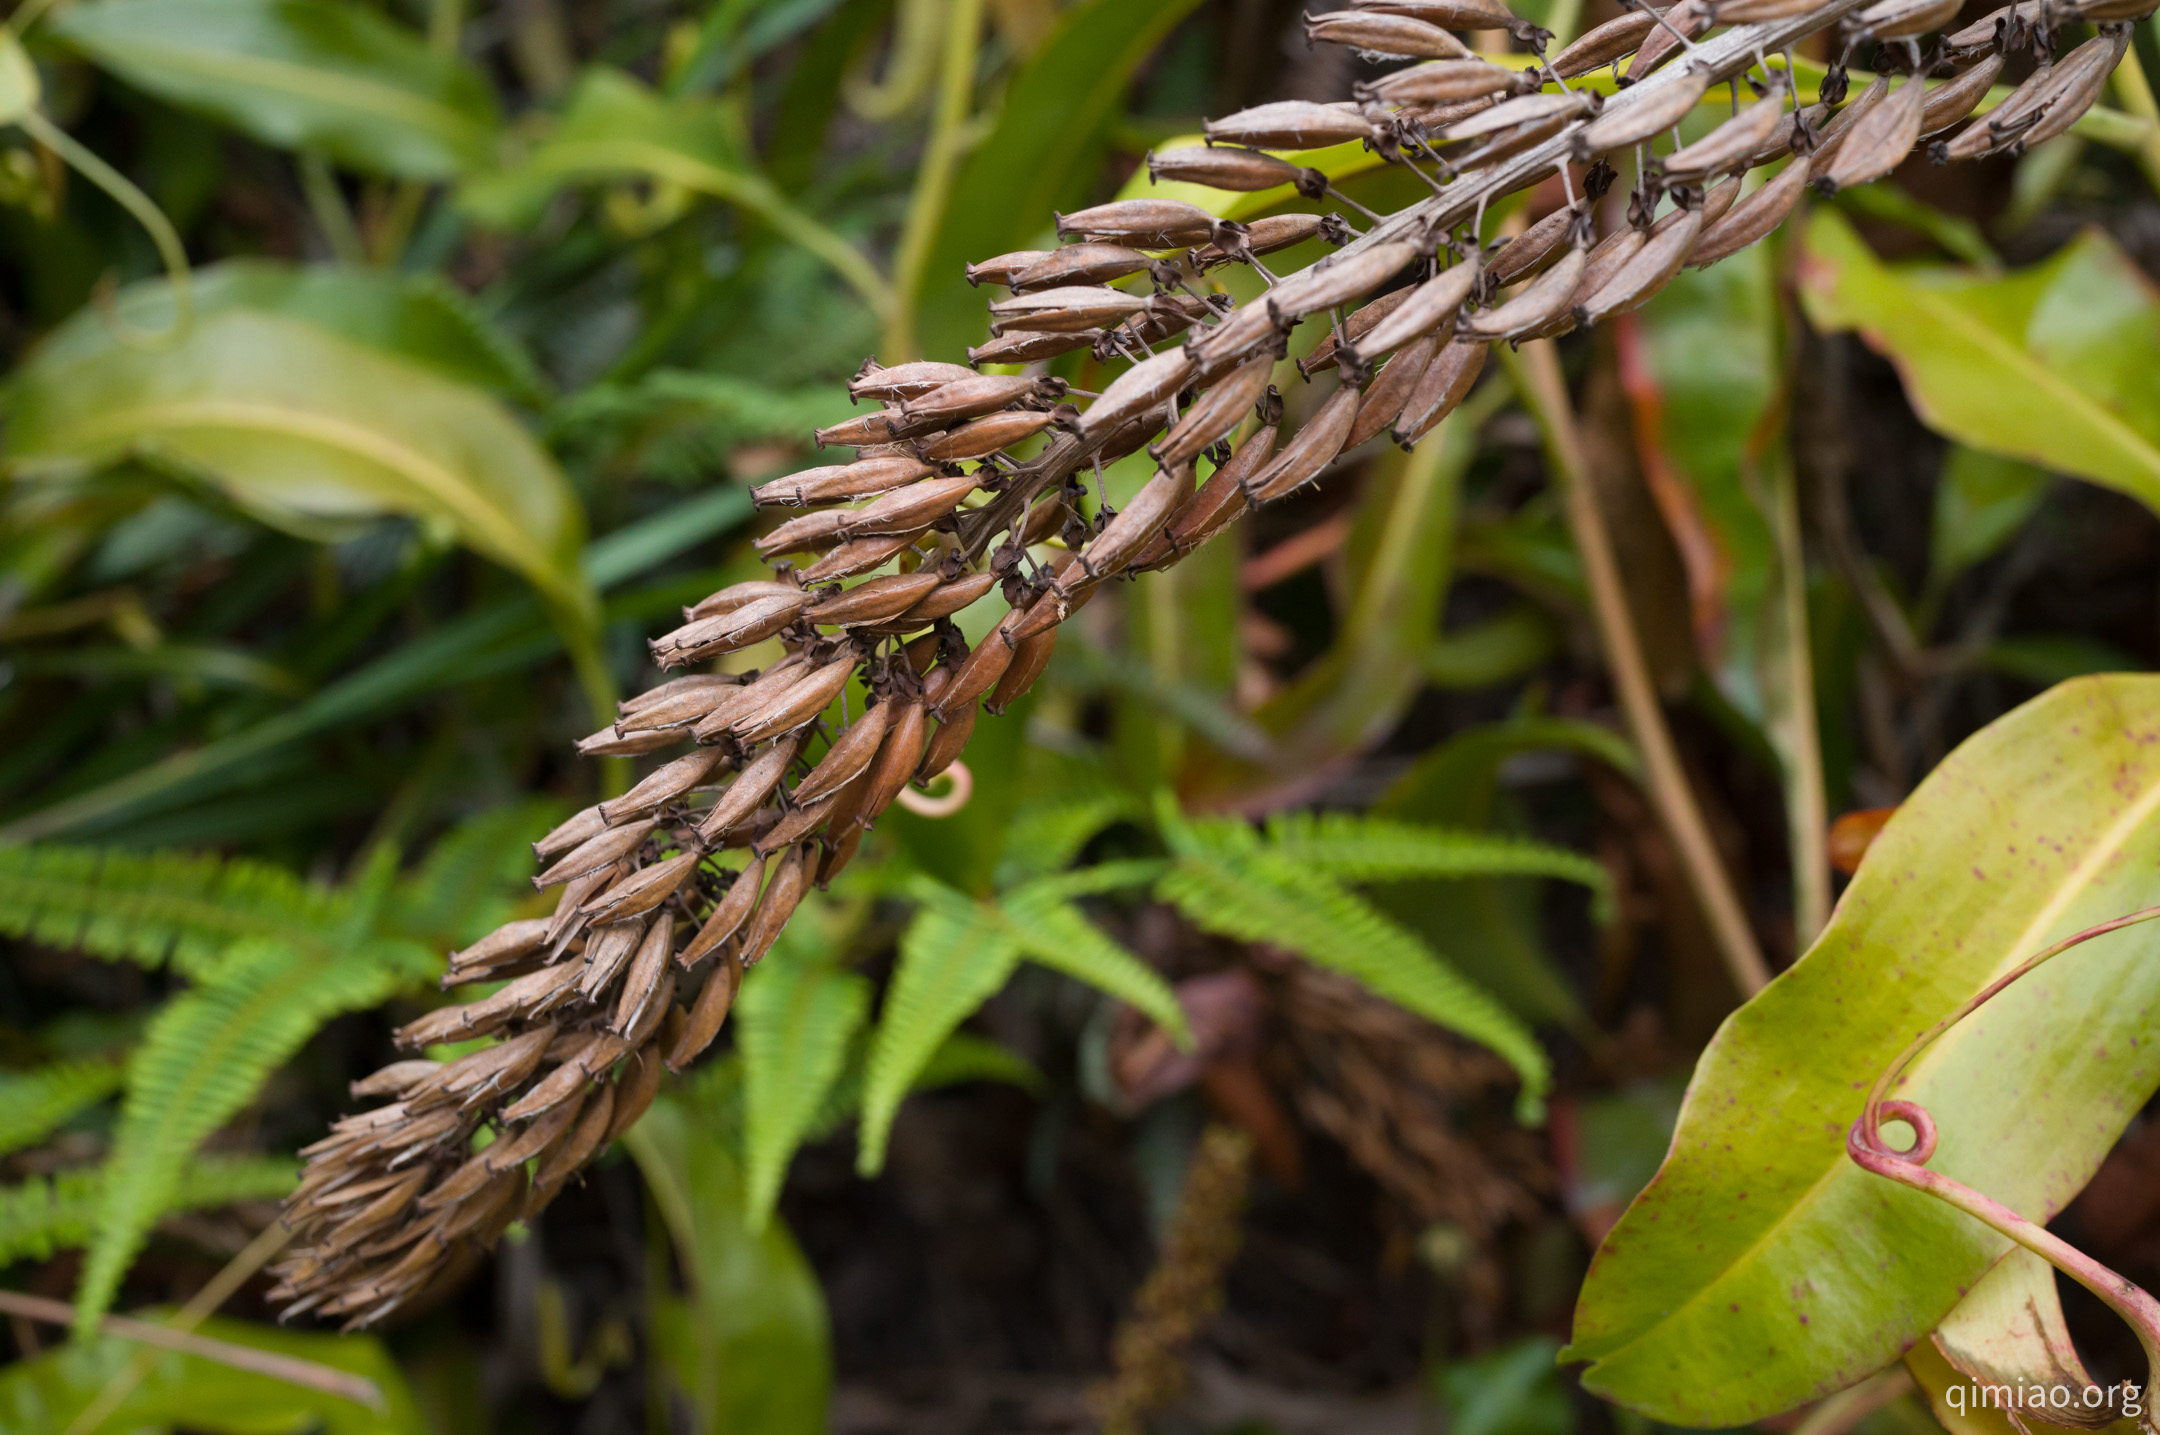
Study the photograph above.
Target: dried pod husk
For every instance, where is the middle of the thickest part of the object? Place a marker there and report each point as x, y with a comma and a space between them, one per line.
642, 890
684, 709
612, 741
1533, 249
639, 1081
1992, 29
985, 436
1446, 380
728, 915
1221, 167
708, 1012
608, 949
748, 697
1312, 449
1753, 217
1650, 270
811, 533
1348, 276
794, 824
1241, 331
850, 753
1385, 396
1387, 36
911, 509
749, 790
1759, 12
901, 381
730, 599
1604, 44
840, 483
577, 1146
1841, 124
947, 599
388, 1199
1540, 301
1222, 497
883, 427
1081, 264
981, 670
1134, 526
837, 855
1004, 267
1659, 110
2084, 72
950, 740
1447, 81
725, 633
608, 848
1026, 347
1880, 140
1689, 17
642, 987
567, 922
1719, 198
1731, 145
525, 996
791, 877
857, 555
1147, 384
898, 756
974, 396
808, 697
558, 1096
1291, 124
1263, 236
400, 1077
1953, 100
1896, 19
1167, 314
511, 1152
1455, 14
873, 601
509, 942
1510, 116
665, 785
479, 1075
1148, 223
580, 827
1431, 309
1065, 308
1217, 412
1786, 137
1360, 323
1030, 657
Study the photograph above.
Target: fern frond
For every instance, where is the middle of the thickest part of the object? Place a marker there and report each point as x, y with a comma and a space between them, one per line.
202, 1059
977, 1058
47, 1214
35, 1103
1044, 837
1264, 901
1054, 933
1188, 836
472, 875
796, 1019
150, 907
953, 957
1356, 848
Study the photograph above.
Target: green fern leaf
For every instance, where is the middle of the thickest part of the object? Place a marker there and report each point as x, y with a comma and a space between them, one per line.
47, 1214
37, 1103
1053, 932
1264, 900
1356, 848
953, 957
465, 887
1044, 837
977, 1058
795, 1021
150, 907
203, 1058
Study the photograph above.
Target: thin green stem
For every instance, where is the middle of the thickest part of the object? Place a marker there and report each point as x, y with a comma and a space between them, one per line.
2136, 94
1807, 810
934, 177
124, 193
333, 216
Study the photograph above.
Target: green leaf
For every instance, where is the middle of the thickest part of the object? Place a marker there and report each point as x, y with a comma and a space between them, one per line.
1455, 784
1981, 502
750, 1348
1041, 155
963, 1058
1511, 1391
1498, 650
34, 1104
954, 957
2046, 659
44, 1394
19, 87
1762, 1269
308, 430
680, 426
1054, 933
2051, 364
1045, 837
203, 1059
50, 1213
795, 1017
300, 74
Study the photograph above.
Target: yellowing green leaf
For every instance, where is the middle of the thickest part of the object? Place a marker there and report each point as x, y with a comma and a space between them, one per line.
18, 79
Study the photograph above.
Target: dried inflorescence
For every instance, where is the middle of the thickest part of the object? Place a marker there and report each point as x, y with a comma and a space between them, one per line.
638, 965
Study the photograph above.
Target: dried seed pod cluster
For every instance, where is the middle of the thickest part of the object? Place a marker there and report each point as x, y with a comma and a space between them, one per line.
963, 482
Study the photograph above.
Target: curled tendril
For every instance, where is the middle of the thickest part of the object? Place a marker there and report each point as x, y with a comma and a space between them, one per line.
1866, 1146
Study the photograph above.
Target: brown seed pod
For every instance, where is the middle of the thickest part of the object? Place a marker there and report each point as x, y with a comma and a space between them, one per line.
1650, 270
1841, 124
1541, 300
1029, 659
577, 1145
508, 1154
1338, 281
1753, 217
837, 856
1145, 385
1065, 308
1604, 44
1312, 449
1218, 411
1431, 309
791, 877
747, 697
1357, 326
1222, 497
506, 943
911, 509
565, 924
1080, 264
1290, 124
1385, 396
840, 483
873, 601
857, 555
664, 785
1446, 81
1689, 17
727, 632
884, 426
976, 395
949, 742
850, 753
1731, 145
811, 533
641, 989
1660, 110
808, 697
1142, 517
1531, 250
728, 915
731, 599
980, 672
608, 949
579, 827
1758, 12
1152, 223
1025, 347
1455, 14
1880, 140
1002, 269
985, 436
1241, 331
749, 789
610, 846
1263, 236
1447, 379
2079, 80
399, 1078
642, 890
526, 995
714, 1002
612, 741
1895, 19
1786, 137
1510, 116
897, 758
1221, 167
946, 599
639, 1081
1954, 99
1385, 36
902, 381
685, 709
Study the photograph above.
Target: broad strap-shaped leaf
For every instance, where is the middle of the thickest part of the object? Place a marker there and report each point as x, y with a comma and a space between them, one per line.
795, 1020
300, 74
34, 1104
310, 431
1356, 848
954, 956
51, 1213
203, 1059
2052, 364
1761, 1268
1262, 899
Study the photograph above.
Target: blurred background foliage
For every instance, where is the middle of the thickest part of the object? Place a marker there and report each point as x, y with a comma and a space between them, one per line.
380, 375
